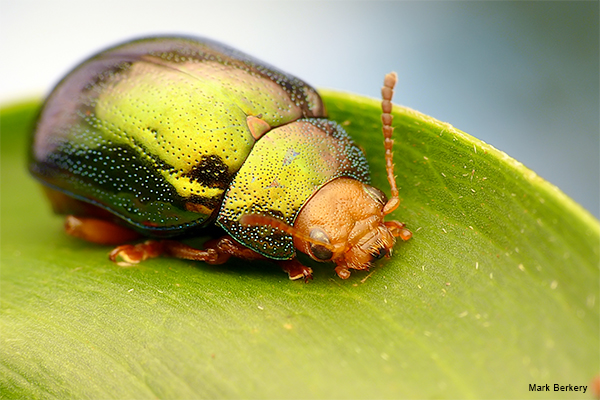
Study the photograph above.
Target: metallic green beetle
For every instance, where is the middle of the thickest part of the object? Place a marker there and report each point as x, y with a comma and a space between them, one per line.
166, 135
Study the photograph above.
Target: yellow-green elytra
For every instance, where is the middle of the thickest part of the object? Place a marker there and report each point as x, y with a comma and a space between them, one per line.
171, 134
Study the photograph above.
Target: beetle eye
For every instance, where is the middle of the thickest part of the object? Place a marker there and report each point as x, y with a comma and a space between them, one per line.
379, 253
376, 194
318, 251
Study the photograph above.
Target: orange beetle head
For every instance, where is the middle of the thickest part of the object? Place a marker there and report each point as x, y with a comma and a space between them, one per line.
344, 223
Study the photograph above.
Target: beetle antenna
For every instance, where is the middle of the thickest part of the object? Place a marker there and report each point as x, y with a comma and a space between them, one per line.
264, 220
387, 92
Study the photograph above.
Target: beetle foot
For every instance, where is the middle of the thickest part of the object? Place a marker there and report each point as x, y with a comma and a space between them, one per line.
342, 272
131, 254
296, 270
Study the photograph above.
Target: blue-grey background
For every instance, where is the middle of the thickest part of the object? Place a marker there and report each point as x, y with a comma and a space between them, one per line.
522, 76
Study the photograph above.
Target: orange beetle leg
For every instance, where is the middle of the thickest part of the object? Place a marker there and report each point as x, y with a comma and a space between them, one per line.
398, 229
296, 270
98, 230
216, 251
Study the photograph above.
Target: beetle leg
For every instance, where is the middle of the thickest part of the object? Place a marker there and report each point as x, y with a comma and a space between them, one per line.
296, 270
398, 229
227, 247
99, 231
129, 254
216, 251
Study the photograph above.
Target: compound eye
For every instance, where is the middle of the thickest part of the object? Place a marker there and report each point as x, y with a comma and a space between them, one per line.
376, 194
379, 253
318, 251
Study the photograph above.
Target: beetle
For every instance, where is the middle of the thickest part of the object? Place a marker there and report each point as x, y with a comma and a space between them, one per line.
161, 137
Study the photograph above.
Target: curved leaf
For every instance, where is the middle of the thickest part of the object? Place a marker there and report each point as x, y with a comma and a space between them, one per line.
498, 289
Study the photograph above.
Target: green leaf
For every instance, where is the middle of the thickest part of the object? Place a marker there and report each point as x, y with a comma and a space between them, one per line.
497, 290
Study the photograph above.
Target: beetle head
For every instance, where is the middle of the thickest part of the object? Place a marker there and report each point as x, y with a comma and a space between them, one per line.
344, 223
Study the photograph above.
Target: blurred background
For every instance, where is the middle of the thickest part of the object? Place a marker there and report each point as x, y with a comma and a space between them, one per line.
521, 76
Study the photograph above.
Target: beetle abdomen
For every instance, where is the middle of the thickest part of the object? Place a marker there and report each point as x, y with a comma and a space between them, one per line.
155, 130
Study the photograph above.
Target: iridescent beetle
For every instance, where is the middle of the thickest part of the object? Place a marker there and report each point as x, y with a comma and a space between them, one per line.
162, 136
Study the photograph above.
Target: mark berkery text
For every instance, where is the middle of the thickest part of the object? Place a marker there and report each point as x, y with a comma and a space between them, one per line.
557, 388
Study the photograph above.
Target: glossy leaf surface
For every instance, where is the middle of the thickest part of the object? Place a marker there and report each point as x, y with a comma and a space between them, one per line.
498, 289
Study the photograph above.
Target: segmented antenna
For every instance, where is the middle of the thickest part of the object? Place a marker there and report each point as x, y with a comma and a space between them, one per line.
387, 92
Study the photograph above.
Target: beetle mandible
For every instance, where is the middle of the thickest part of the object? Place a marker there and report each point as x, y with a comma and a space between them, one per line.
160, 137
